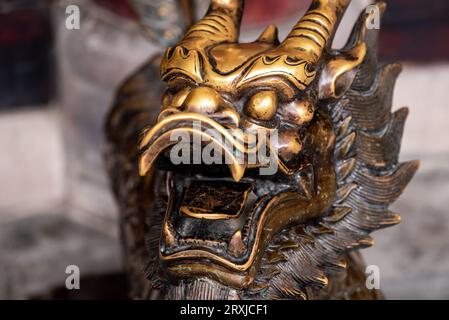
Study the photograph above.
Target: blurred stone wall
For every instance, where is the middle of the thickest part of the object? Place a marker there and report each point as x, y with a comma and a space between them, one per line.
93, 62
413, 256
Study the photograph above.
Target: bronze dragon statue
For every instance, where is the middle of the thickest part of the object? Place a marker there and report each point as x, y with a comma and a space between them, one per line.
225, 231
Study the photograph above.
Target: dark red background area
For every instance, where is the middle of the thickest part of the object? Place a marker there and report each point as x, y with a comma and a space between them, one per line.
416, 30
26, 59
256, 11
412, 29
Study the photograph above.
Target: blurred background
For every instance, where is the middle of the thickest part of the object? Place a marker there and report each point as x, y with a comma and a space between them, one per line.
57, 82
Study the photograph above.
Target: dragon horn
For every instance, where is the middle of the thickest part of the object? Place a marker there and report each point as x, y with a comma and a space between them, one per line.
220, 24
316, 29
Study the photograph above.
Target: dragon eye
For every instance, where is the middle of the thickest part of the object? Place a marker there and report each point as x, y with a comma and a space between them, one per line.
310, 68
262, 105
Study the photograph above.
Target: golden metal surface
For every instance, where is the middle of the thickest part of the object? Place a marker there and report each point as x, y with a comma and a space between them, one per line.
262, 105
209, 53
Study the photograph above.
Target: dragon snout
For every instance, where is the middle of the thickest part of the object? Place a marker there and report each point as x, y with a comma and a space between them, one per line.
195, 132
204, 101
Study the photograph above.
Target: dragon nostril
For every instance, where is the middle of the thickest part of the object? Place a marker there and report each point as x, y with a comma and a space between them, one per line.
203, 100
180, 98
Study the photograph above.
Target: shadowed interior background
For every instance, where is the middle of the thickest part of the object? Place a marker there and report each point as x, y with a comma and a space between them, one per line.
56, 85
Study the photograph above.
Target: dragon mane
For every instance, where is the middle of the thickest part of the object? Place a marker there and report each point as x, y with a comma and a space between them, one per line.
370, 178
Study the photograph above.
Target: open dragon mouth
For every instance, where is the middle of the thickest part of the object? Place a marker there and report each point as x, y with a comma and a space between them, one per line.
219, 220
216, 227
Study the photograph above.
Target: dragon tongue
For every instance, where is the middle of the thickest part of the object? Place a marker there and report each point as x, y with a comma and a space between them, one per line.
215, 198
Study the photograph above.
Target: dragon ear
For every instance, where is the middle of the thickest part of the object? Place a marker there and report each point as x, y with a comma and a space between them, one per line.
339, 72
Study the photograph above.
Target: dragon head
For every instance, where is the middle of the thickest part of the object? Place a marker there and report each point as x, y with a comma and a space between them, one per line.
230, 231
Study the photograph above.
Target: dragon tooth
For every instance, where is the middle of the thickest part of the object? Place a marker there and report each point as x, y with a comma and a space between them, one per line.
237, 171
169, 234
236, 247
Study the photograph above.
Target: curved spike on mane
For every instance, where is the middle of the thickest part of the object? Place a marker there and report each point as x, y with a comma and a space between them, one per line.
361, 33
220, 24
315, 31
